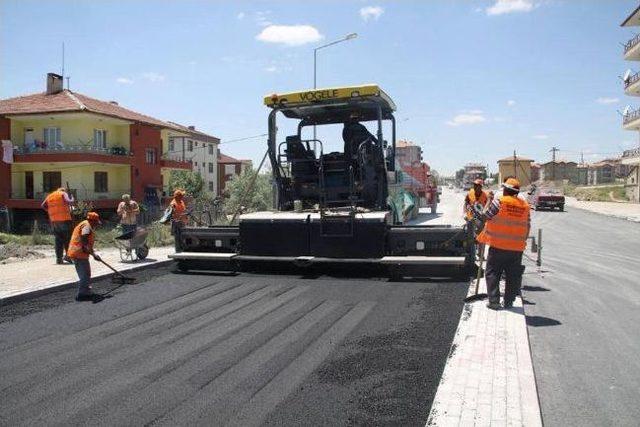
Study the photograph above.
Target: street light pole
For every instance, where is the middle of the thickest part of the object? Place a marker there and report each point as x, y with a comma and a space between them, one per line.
348, 37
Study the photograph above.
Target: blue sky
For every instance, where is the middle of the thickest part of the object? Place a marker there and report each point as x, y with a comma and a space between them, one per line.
473, 80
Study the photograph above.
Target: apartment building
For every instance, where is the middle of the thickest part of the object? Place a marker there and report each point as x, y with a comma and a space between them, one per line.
631, 116
196, 147
98, 149
228, 167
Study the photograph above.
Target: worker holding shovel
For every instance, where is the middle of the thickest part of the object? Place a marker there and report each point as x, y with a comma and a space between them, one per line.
80, 247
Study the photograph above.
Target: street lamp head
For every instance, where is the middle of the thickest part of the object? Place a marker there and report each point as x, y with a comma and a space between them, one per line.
351, 36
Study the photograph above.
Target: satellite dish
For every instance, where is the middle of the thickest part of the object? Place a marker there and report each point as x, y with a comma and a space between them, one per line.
626, 110
625, 77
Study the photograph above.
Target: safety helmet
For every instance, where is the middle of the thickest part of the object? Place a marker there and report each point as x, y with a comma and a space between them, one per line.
93, 217
178, 193
512, 184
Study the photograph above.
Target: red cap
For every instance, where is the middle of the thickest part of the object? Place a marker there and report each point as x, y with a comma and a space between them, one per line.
94, 217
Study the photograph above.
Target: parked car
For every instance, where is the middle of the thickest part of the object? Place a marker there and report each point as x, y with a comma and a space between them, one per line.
546, 198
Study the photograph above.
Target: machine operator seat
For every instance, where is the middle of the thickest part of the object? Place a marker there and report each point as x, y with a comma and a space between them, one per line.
354, 133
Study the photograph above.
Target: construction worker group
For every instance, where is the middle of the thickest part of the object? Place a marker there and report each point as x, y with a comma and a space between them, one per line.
506, 228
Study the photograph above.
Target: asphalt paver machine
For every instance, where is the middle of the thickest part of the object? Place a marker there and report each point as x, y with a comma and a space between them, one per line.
331, 208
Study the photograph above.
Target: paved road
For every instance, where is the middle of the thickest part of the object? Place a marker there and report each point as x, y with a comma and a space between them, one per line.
449, 211
237, 350
584, 319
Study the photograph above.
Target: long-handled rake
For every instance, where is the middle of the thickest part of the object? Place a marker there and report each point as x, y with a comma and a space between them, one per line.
117, 278
476, 296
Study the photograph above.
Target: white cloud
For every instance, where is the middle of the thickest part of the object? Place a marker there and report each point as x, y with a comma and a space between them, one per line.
261, 18
605, 101
240, 15
271, 69
124, 81
153, 77
511, 103
289, 35
501, 7
540, 137
467, 118
371, 12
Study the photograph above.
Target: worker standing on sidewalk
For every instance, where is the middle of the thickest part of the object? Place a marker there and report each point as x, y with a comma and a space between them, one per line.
128, 211
58, 207
80, 248
505, 231
179, 216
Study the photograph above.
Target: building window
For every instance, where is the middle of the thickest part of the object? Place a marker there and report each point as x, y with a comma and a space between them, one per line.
211, 149
189, 145
150, 155
51, 181
172, 144
210, 185
100, 139
196, 143
100, 182
210, 167
52, 136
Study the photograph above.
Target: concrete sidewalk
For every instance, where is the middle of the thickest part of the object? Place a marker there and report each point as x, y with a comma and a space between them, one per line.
628, 211
33, 275
488, 379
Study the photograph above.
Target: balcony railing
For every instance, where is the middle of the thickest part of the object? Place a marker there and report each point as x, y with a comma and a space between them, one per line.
634, 152
631, 116
61, 148
631, 80
631, 43
79, 195
175, 157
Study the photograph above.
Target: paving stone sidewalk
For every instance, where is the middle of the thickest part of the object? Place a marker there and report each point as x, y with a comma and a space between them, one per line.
33, 275
628, 211
488, 379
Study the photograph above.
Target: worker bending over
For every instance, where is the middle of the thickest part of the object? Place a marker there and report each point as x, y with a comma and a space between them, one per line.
58, 207
80, 247
505, 231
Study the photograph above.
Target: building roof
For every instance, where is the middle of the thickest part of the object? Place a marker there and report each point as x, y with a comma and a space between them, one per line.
196, 133
601, 164
67, 101
559, 162
518, 158
633, 19
223, 158
404, 143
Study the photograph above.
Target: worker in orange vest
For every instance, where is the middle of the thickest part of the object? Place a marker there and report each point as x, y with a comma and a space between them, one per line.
505, 231
476, 196
58, 207
179, 216
80, 247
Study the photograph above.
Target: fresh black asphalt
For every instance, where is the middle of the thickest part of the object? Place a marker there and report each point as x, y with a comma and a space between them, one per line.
583, 316
247, 349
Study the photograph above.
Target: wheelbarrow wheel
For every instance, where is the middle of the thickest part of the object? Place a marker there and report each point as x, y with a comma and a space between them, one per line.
142, 251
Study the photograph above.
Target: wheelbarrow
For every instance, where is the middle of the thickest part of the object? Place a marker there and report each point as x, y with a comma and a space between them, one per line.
133, 244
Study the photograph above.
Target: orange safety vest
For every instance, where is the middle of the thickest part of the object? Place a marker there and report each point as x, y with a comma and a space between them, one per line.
509, 228
75, 245
57, 207
179, 209
472, 201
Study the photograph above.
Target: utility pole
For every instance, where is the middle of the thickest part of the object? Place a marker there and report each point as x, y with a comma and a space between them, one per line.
582, 158
553, 164
515, 165
62, 60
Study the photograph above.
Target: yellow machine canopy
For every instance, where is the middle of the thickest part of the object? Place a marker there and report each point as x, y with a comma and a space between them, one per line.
334, 105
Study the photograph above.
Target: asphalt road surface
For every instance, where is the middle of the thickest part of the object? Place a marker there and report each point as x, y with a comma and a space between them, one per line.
184, 349
583, 319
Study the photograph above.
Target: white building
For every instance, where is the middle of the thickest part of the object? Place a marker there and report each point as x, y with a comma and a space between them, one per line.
198, 148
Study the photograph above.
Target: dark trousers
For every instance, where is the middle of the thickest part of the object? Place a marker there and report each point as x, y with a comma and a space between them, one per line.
83, 268
176, 229
62, 233
509, 262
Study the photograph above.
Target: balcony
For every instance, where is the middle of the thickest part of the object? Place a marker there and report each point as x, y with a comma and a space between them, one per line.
631, 157
632, 49
100, 200
174, 161
632, 85
71, 153
631, 120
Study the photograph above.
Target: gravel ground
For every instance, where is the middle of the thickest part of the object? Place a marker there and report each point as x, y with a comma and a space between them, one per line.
249, 349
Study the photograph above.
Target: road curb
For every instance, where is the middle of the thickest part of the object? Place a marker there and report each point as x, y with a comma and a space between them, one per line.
56, 287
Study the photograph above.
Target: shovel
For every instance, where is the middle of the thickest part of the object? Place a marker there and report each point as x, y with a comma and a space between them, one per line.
476, 296
119, 278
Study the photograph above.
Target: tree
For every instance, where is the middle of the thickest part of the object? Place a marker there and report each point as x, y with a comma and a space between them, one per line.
189, 181
257, 198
